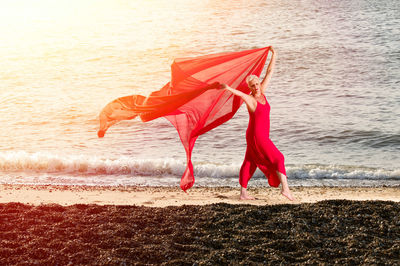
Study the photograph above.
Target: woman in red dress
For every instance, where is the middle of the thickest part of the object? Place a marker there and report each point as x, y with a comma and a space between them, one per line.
261, 151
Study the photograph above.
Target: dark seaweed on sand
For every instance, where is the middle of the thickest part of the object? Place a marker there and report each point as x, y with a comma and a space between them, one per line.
328, 232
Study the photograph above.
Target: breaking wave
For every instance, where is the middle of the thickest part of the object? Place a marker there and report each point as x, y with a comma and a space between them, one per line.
42, 162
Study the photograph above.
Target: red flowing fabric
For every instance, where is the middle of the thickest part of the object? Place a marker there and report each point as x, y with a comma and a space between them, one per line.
192, 100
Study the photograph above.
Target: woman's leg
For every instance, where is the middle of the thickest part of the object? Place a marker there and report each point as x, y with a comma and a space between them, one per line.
285, 187
246, 172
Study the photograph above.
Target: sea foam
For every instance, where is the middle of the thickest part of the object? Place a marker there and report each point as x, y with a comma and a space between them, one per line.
43, 162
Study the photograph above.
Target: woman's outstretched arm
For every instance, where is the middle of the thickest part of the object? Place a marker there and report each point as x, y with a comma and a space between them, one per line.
270, 70
251, 103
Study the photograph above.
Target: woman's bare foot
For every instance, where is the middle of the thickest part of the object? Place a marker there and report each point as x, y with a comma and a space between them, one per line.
247, 197
244, 195
285, 187
287, 194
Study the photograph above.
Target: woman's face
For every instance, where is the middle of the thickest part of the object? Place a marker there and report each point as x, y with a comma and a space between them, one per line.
254, 86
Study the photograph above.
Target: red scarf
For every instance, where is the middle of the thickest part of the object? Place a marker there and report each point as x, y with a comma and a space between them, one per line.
192, 101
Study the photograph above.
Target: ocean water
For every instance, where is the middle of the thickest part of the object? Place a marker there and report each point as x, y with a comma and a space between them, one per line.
335, 98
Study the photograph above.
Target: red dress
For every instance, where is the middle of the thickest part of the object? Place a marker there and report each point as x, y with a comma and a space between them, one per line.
261, 152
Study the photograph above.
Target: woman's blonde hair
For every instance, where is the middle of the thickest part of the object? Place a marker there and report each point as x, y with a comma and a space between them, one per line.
250, 78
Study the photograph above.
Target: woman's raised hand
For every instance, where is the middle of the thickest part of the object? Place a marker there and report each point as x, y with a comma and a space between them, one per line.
272, 49
223, 86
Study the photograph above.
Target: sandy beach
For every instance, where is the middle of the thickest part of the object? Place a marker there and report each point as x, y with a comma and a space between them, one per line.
174, 196
207, 226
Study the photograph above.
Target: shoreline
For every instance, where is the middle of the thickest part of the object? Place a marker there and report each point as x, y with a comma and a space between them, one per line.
173, 196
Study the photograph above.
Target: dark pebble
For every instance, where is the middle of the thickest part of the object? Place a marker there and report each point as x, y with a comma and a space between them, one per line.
328, 232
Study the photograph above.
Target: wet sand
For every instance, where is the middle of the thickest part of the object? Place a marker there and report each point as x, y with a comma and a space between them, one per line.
334, 232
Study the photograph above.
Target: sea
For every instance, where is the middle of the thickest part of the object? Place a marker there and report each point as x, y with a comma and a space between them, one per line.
334, 95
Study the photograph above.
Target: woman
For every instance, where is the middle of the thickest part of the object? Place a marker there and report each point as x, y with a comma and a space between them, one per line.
260, 152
